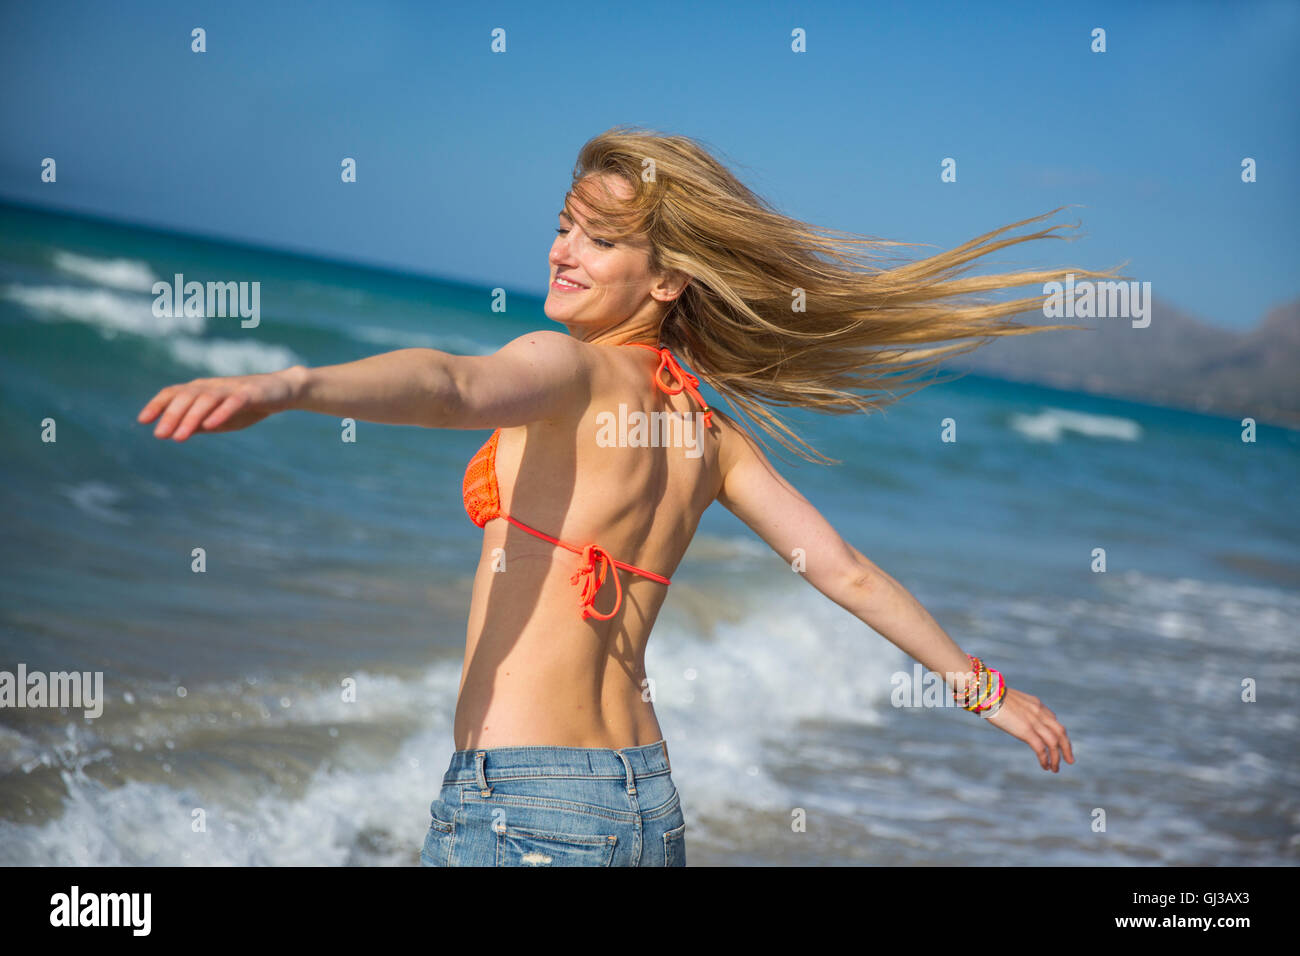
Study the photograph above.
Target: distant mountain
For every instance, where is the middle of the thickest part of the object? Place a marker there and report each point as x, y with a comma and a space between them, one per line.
1176, 360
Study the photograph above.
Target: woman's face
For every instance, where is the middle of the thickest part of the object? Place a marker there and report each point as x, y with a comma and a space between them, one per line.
614, 280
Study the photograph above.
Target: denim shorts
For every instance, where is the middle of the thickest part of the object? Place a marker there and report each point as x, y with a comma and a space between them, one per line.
557, 806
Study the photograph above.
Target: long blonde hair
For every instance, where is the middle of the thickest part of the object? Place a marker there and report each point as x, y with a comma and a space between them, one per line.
863, 329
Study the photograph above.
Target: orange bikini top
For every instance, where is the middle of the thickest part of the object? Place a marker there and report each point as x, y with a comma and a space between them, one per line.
483, 498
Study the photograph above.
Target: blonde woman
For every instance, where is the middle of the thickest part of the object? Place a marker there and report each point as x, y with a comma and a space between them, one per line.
661, 257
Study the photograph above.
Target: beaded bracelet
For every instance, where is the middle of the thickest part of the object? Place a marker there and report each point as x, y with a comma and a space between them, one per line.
996, 707
963, 698
993, 697
978, 689
996, 694
988, 693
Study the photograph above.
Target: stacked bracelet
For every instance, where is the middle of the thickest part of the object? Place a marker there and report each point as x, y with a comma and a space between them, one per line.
992, 703
996, 706
986, 693
963, 699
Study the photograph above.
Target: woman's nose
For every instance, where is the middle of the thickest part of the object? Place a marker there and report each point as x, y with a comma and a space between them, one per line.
560, 252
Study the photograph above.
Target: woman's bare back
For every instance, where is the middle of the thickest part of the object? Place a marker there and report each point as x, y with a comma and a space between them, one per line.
536, 672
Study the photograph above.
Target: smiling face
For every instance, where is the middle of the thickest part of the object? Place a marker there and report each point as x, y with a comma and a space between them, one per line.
612, 283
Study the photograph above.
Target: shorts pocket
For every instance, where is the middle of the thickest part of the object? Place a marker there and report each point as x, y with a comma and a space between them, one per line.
525, 846
675, 846
439, 839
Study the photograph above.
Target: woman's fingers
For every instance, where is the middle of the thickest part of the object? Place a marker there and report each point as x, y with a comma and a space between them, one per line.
172, 416
1040, 747
223, 412
1063, 738
1024, 717
1058, 742
198, 411
212, 404
156, 405
1052, 730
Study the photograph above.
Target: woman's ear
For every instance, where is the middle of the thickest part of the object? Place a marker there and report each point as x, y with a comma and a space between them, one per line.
671, 285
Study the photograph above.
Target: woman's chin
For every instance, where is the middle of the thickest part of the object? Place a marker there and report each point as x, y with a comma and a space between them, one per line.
555, 311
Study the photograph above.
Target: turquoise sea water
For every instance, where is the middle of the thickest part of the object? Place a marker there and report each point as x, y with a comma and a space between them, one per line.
328, 560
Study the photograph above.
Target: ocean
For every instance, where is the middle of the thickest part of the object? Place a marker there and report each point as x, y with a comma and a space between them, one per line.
225, 738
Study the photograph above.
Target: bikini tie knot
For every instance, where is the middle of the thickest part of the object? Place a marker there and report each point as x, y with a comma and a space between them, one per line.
591, 582
684, 380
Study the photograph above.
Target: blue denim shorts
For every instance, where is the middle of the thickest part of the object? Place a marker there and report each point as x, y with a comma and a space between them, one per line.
557, 806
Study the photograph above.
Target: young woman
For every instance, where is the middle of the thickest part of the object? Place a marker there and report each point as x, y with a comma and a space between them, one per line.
661, 254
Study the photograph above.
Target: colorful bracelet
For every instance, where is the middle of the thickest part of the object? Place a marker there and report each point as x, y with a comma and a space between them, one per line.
994, 696
963, 698
985, 692
995, 708
996, 705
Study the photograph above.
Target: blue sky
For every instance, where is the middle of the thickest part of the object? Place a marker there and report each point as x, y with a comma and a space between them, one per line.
464, 155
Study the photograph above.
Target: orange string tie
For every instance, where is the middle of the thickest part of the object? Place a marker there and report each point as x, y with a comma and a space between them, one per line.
591, 583
668, 362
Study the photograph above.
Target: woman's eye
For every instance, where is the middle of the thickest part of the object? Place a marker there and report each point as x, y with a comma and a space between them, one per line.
603, 243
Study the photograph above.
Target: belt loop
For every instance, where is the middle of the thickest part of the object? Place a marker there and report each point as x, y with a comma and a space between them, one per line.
631, 779
664, 743
483, 789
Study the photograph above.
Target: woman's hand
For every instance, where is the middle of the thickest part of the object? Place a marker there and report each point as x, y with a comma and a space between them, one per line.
1023, 716
221, 404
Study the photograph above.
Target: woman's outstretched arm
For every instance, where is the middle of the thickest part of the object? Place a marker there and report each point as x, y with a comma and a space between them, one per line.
757, 494
539, 375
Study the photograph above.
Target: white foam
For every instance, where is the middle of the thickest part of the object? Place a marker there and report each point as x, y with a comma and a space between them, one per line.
227, 357
130, 274
731, 703
751, 683
109, 312
96, 499
1203, 611
1052, 423
725, 703
350, 802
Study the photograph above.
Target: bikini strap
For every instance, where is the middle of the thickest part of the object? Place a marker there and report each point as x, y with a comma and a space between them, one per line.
587, 576
684, 379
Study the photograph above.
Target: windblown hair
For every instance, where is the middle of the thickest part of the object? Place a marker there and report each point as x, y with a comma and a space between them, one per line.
864, 331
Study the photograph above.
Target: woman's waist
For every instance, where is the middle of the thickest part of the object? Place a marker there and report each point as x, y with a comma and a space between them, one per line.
540, 713
503, 764
531, 627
